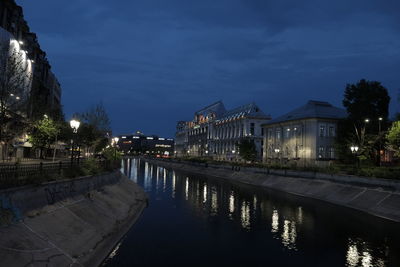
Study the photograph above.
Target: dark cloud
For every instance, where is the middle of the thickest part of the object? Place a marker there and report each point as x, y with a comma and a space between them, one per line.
155, 62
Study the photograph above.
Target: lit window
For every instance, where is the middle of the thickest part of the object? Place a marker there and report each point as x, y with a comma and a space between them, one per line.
287, 132
321, 152
322, 131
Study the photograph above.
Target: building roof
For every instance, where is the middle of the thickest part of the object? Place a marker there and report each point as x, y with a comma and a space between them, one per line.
313, 109
248, 110
217, 108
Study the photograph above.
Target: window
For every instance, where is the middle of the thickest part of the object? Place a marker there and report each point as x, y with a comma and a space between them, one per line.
287, 134
297, 131
252, 128
269, 133
331, 153
262, 131
278, 134
322, 131
321, 152
331, 131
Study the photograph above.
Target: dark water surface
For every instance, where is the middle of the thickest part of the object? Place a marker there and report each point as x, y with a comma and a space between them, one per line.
198, 221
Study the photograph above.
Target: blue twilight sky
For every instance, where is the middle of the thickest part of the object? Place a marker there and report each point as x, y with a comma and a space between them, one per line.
153, 62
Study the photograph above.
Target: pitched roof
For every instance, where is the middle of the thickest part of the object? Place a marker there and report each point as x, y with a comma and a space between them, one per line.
218, 108
313, 109
248, 110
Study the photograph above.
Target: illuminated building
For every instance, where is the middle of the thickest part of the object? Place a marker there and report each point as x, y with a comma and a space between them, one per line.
140, 144
215, 132
45, 90
306, 134
42, 91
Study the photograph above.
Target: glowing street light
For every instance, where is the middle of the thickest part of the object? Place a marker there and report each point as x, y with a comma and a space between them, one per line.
366, 120
354, 149
74, 125
115, 139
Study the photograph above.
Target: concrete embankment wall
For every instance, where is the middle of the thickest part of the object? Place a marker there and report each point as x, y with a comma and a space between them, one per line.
378, 197
67, 223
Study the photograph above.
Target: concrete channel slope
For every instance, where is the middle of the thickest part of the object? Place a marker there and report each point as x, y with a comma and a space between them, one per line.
67, 223
378, 197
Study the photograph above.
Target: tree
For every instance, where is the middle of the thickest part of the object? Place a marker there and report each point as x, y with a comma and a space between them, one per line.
43, 134
95, 128
247, 149
366, 99
15, 81
97, 117
367, 104
393, 138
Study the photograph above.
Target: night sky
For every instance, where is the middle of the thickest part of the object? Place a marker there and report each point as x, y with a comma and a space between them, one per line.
153, 63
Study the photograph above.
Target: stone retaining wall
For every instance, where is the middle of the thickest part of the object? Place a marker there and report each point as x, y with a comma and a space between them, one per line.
67, 223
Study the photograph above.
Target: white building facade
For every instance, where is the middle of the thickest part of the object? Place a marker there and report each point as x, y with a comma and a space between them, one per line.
303, 136
216, 132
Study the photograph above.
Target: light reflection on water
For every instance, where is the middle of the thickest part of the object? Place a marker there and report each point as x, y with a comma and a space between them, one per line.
359, 254
290, 225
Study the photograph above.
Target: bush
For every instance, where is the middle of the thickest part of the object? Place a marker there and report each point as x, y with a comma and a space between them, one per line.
91, 167
111, 153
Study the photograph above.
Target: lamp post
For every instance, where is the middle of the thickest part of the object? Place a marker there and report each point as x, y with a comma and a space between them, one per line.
74, 125
380, 140
115, 139
354, 150
277, 154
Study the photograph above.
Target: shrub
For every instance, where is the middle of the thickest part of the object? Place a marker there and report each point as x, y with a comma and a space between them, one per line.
91, 167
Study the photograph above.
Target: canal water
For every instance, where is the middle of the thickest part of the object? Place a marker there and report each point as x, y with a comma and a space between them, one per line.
199, 221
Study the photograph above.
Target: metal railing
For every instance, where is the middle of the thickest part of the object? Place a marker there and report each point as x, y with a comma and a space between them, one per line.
17, 174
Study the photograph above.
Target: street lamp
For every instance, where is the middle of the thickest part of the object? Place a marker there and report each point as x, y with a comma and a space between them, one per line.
354, 150
74, 125
115, 140
277, 154
380, 140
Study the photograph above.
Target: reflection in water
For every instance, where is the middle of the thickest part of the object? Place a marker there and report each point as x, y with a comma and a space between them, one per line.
165, 180
245, 215
275, 222
187, 188
300, 215
214, 201
254, 204
115, 251
134, 170
205, 193
359, 254
173, 184
289, 234
352, 256
231, 203
286, 222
